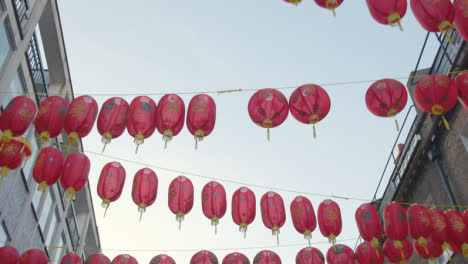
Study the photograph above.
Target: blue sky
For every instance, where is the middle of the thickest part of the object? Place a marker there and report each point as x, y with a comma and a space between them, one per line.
182, 46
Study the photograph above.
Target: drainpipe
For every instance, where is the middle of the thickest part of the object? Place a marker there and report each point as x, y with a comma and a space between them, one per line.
434, 155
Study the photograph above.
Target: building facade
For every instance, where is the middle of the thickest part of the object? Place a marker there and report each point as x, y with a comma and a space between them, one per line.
31, 40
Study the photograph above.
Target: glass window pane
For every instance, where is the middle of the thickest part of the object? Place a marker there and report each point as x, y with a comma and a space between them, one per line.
46, 210
28, 167
15, 88
3, 235
52, 228
60, 251
5, 45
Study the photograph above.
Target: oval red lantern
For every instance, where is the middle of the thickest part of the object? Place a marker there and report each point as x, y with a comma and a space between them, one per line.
9, 255
329, 4
14, 152
80, 118
16, 117
461, 18
369, 225
236, 258
170, 116
201, 117
273, 212
145, 189
430, 251
141, 119
436, 94
461, 83
48, 168
458, 230
112, 119
388, 12
386, 98
243, 208
366, 253
329, 219
71, 258
180, 197
419, 224
162, 259
395, 224
124, 259
340, 254
204, 257
97, 259
303, 216
214, 202
295, 2
268, 108
397, 255
310, 255
74, 174
267, 257
440, 228
309, 104
434, 15
34, 256
111, 183
50, 118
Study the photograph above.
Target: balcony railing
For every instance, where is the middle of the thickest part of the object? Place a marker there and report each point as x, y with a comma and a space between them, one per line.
36, 70
22, 8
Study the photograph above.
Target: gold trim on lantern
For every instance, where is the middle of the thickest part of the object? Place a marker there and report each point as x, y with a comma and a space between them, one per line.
168, 134
295, 2
44, 137
72, 138
445, 27
141, 207
6, 136
106, 137
464, 248
394, 18
267, 123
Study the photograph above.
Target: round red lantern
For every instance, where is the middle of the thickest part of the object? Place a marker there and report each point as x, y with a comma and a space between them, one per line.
214, 202
71, 258
387, 12
397, 255
48, 168
170, 116
458, 230
329, 219
303, 216
9, 255
145, 189
268, 108
16, 118
80, 118
14, 152
340, 254
430, 251
50, 118
366, 253
369, 225
309, 104
461, 18
204, 257
243, 208
440, 228
34, 256
329, 4
141, 119
436, 94
386, 98
461, 82
74, 174
419, 224
124, 259
267, 257
395, 224
201, 117
434, 15
112, 119
162, 259
236, 258
295, 2
273, 212
97, 259
310, 255
111, 183
180, 197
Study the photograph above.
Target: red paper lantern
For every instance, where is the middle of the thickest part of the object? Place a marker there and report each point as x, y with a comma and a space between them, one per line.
273, 212
329, 4
303, 216
80, 118
124, 259
34, 256
97, 259
48, 168
340, 254
430, 251
145, 189
74, 174
214, 202
434, 15
111, 183
112, 119
180, 197
16, 117
50, 118
201, 116
461, 82
461, 18
369, 225
243, 208
395, 224
204, 257
267, 257
387, 12
436, 94
14, 152
419, 224
295, 2
386, 98
440, 228
397, 255
236, 258
310, 255
170, 116
162, 259
465, 217
366, 253
9, 255
458, 230
329, 219
141, 119
71, 258
268, 108
309, 104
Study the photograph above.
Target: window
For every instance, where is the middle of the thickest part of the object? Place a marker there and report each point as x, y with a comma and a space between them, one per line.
15, 88
3, 235
5, 45
36, 201
28, 167
48, 206
60, 251
52, 228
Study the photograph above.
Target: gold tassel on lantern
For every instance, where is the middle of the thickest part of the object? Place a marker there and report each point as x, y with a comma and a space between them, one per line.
295, 2
446, 27
243, 229
141, 209
167, 136
69, 194
398, 244
268, 123
180, 218
394, 18
332, 239
105, 204
215, 222
445, 248
331, 6
464, 248
72, 139
199, 136
439, 110
376, 245
106, 139
6, 136
423, 243
44, 138
3, 173
276, 231
139, 139
42, 187
308, 236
